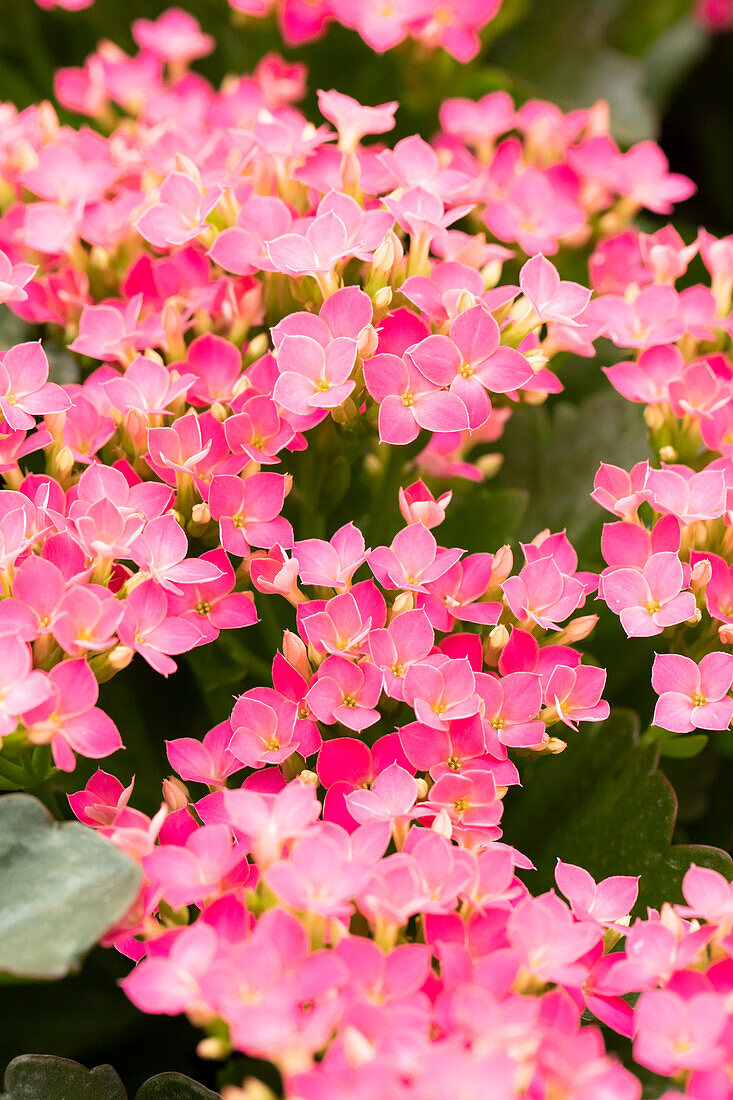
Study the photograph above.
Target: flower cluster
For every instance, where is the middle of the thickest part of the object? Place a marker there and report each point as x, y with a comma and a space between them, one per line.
669, 550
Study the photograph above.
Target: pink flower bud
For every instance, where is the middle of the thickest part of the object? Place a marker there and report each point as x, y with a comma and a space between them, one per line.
175, 793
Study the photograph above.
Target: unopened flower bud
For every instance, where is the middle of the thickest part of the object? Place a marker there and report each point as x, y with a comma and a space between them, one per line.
495, 643
654, 418
179, 517
296, 654
576, 630
308, 777
200, 514
357, 1047
555, 746
219, 412
64, 462
368, 341
668, 454
382, 299
502, 565
442, 824
694, 619
213, 1049
422, 789
702, 572
405, 601
175, 793
466, 300
725, 633
489, 465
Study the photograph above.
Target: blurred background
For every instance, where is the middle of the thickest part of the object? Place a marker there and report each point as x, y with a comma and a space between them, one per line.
666, 76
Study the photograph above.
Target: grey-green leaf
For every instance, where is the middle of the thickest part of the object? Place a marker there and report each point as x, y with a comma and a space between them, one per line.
43, 1077
62, 886
174, 1086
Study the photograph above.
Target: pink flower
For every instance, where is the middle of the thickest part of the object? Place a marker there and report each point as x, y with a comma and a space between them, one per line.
512, 705
543, 594
346, 764
552, 298
396, 648
674, 1033
160, 551
441, 689
311, 377
21, 687
180, 214
69, 720
576, 694
606, 902
25, 391
412, 561
469, 799
199, 867
212, 606
619, 491
391, 798
263, 728
149, 629
174, 36
418, 505
535, 212
693, 696
342, 624
13, 279
248, 511
548, 941
331, 564
649, 599
408, 401
648, 379
353, 120
347, 693
103, 802
208, 761
168, 982
339, 229
148, 387
216, 366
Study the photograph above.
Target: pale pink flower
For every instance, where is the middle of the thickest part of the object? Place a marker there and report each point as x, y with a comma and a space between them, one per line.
693, 696
25, 391
174, 36
649, 599
412, 561
248, 511
607, 901
347, 693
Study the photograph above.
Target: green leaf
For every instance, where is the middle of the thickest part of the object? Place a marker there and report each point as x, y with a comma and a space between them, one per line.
173, 1086
43, 1077
484, 519
684, 748
62, 886
604, 805
554, 453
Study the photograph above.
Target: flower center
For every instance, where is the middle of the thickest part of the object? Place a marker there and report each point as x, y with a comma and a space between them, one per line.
322, 385
408, 399
465, 370
238, 520
454, 763
652, 606
273, 744
498, 723
439, 708
398, 669
349, 700
698, 700
203, 607
460, 805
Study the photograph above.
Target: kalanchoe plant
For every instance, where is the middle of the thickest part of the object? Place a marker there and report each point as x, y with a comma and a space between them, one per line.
293, 348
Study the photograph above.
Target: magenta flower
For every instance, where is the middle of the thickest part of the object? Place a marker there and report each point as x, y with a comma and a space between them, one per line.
86, 620
258, 430
206, 863
347, 693
346, 764
216, 367
693, 696
168, 981
649, 599
103, 802
25, 391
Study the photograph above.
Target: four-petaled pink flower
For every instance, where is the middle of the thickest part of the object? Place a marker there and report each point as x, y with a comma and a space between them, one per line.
693, 696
